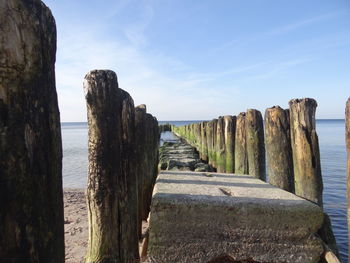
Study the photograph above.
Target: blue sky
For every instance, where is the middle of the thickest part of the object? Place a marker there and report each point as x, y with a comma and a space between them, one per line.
197, 59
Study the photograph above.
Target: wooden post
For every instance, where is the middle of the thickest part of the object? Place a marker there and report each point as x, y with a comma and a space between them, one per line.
241, 158
112, 182
255, 144
278, 148
141, 161
31, 199
210, 128
204, 149
347, 134
306, 154
220, 157
229, 134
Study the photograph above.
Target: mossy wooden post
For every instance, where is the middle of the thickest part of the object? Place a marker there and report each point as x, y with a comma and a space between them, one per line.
112, 182
210, 128
306, 154
204, 148
220, 157
347, 134
255, 144
278, 148
241, 158
229, 134
31, 201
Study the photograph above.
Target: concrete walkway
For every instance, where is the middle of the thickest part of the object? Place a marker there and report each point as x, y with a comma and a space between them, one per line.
213, 217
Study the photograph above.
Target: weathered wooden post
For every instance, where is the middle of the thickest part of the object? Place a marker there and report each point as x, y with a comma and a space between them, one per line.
220, 146
210, 128
204, 148
278, 148
31, 201
306, 153
255, 144
241, 158
112, 182
347, 134
229, 134
141, 161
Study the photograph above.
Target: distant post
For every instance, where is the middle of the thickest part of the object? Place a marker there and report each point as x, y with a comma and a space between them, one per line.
241, 158
278, 148
31, 199
204, 149
112, 183
306, 153
255, 144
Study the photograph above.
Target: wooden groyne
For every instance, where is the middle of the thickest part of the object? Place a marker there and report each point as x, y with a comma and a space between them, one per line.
347, 139
31, 201
292, 149
121, 173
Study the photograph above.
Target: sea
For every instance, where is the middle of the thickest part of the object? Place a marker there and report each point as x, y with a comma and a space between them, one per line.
331, 135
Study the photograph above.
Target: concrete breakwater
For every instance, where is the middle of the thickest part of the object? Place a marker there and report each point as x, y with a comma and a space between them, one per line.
237, 144
181, 156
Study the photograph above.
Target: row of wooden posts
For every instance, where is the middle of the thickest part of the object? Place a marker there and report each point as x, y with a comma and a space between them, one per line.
123, 160
31, 196
123, 150
237, 145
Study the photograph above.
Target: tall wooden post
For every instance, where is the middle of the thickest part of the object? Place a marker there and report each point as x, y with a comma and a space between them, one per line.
347, 134
255, 144
278, 148
112, 182
306, 153
241, 158
229, 134
220, 146
31, 200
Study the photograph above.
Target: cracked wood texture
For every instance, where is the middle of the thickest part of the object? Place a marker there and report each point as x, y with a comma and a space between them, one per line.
229, 132
31, 200
241, 157
347, 134
278, 148
306, 154
255, 144
147, 142
112, 182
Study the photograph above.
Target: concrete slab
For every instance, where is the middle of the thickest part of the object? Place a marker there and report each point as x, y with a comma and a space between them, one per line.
212, 217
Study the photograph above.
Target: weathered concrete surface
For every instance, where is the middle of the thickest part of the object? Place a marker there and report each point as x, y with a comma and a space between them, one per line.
31, 199
200, 217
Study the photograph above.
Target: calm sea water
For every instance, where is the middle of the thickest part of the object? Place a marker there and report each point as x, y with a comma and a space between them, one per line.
333, 162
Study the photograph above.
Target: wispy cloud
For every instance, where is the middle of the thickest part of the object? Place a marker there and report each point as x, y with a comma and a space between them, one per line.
302, 23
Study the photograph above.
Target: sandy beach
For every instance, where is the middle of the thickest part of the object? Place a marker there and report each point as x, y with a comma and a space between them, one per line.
76, 225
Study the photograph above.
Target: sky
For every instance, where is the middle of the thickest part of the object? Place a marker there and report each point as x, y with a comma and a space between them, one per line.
200, 59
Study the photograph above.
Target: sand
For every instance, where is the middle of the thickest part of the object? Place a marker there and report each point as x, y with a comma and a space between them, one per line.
76, 225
